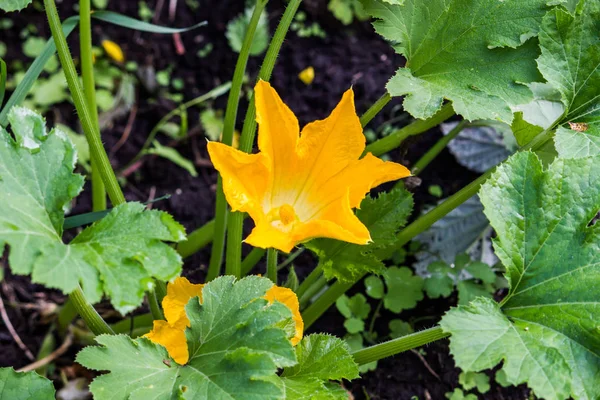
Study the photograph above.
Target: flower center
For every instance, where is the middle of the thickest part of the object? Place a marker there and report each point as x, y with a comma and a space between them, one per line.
283, 217
287, 215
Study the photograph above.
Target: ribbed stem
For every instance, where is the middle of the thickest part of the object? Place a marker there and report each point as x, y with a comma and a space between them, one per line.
221, 209
396, 138
314, 275
437, 148
272, 265
154, 307
375, 109
91, 131
89, 88
234, 226
96, 324
398, 345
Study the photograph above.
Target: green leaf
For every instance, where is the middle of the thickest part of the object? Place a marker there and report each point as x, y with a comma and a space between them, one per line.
235, 346
383, 216
476, 53
355, 343
355, 306
173, 155
212, 122
321, 358
570, 61
117, 256
458, 394
13, 5
236, 32
545, 330
399, 328
404, 289
470, 380
354, 325
374, 287
524, 131
342, 10
439, 283
24, 386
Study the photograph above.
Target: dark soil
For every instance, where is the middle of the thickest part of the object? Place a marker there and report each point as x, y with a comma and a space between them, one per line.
349, 56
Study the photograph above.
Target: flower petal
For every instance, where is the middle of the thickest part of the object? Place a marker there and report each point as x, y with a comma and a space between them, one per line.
289, 298
335, 221
264, 235
278, 134
179, 293
173, 339
327, 147
245, 177
358, 179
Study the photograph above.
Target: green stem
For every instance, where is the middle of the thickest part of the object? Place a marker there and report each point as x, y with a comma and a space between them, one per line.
91, 131
374, 318
396, 138
154, 307
197, 240
395, 346
310, 280
160, 289
66, 314
375, 109
89, 88
91, 317
316, 309
234, 226
221, 209
290, 258
252, 259
433, 152
272, 265
312, 292
96, 324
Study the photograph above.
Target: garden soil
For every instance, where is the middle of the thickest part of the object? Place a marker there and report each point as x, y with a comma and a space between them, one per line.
349, 56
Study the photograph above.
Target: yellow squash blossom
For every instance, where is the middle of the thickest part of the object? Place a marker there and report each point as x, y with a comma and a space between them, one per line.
171, 333
302, 185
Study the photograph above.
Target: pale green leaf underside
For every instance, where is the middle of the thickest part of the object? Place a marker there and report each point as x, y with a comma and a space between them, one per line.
117, 256
475, 53
547, 329
570, 61
383, 216
236, 345
13, 5
24, 386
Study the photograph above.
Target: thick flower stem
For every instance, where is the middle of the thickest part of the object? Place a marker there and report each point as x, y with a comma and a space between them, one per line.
221, 209
394, 140
234, 237
375, 109
154, 307
92, 319
395, 346
96, 324
89, 88
91, 131
272, 265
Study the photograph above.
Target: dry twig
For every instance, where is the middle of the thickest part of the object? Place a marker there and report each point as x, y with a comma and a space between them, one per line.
13, 332
50, 357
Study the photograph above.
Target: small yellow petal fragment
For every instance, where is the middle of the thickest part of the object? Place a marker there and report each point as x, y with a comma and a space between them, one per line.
173, 339
178, 295
290, 300
307, 75
113, 50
